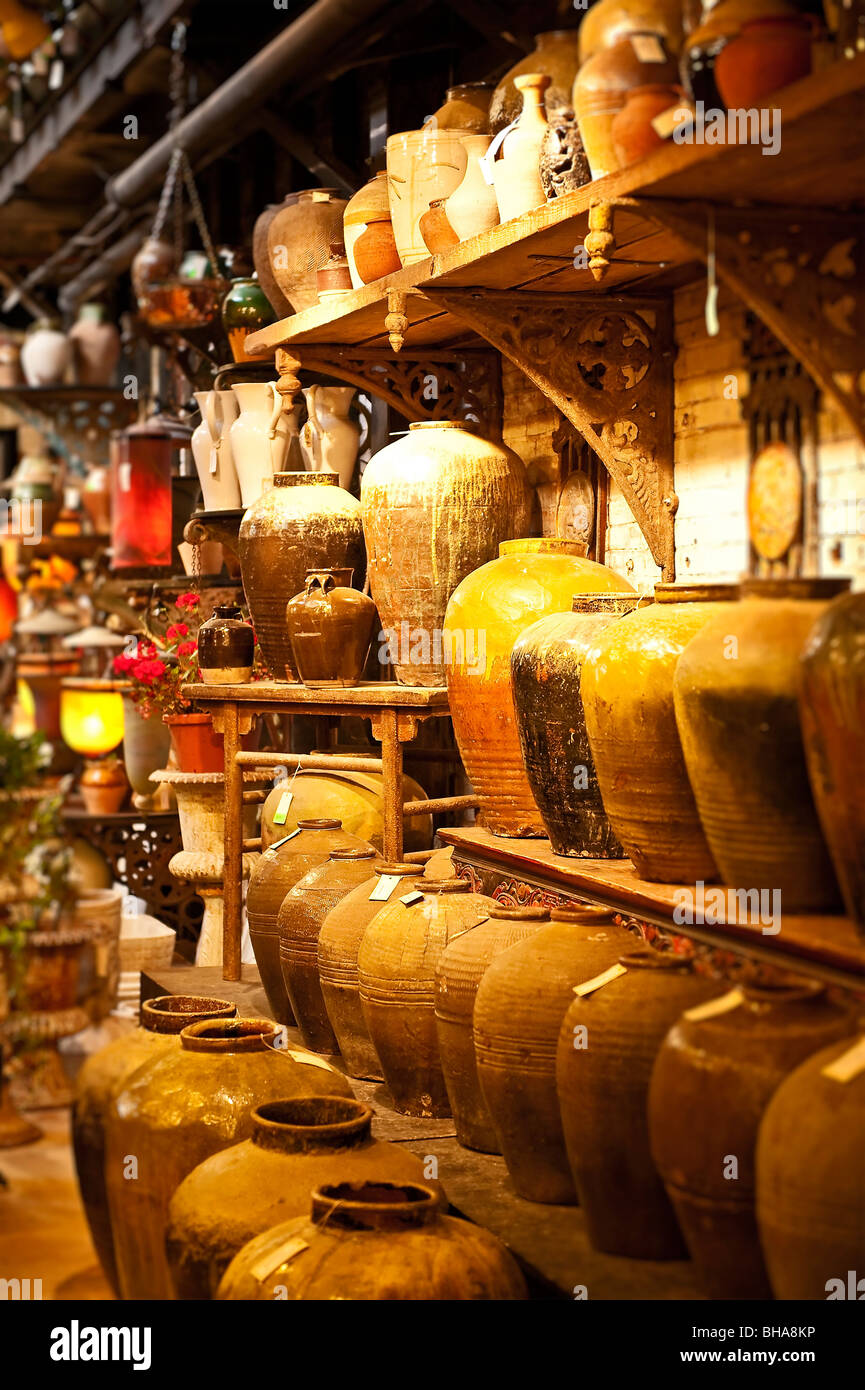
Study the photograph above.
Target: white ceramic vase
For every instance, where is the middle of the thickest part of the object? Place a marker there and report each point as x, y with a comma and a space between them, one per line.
517, 175
473, 208
45, 356
329, 439
260, 436
211, 449
422, 166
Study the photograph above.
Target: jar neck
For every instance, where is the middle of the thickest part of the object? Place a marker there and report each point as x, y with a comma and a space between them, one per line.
609, 603
305, 479
696, 593
663, 962
801, 589
382, 1206
518, 914
222, 1036
171, 1013
311, 1123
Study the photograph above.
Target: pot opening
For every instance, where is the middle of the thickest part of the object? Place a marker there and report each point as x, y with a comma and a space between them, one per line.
319, 825
502, 913
374, 1204
646, 958
170, 1013
353, 854
230, 1035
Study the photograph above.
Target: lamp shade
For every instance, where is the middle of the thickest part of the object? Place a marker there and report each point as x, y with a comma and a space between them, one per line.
141, 462
91, 715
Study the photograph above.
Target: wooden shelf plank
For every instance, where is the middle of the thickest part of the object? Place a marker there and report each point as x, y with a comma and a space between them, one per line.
378, 695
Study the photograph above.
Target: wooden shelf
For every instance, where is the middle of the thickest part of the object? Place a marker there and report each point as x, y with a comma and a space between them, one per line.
824, 947
820, 165
352, 699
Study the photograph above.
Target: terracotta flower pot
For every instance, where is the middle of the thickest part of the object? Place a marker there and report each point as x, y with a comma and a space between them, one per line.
713, 1077
375, 252
396, 970
768, 54
104, 787
518, 1014
162, 1020
529, 579
370, 1241
179, 1108
237, 1194
627, 692
634, 136
338, 944
330, 627
461, 968
607, 1045
280, 867
301, 916
197, 747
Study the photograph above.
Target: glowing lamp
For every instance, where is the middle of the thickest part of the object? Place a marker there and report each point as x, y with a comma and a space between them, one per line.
91, 716
142, 458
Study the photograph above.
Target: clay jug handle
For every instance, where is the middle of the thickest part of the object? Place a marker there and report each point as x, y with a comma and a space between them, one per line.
209, 413
278, 407
487, 160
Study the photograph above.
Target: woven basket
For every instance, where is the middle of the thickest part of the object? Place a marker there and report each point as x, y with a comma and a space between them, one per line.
145, 944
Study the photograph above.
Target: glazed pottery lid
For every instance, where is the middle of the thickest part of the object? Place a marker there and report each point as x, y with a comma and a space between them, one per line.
305, 479
311, 1122
322, 823
534, 913
799, 588
695, 593
374, 1205
543, 545
222, 1035
171, 1013
445, 885
400, 870
352, 854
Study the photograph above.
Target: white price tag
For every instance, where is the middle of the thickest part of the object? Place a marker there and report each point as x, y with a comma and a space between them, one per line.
648, 48
722, 1005
410, 898
277, 1255
383, 889
214, 460
589, 986
308, 1059
849, 1065
279, 815
124, 477
667, 121
55, 76
285, 839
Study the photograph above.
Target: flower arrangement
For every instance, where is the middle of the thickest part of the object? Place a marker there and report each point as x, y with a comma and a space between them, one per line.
158, 673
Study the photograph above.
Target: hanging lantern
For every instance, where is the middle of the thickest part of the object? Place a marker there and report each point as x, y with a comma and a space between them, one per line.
142, 459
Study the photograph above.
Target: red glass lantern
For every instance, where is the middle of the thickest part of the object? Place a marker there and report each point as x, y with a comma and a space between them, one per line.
141, 467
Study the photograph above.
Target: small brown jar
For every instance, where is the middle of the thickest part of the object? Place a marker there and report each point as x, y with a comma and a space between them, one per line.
330, 627
226, 647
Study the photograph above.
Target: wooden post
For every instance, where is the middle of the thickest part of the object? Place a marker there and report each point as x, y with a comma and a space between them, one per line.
391, 758
233, 845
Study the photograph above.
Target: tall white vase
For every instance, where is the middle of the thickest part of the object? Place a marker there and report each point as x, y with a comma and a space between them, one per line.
329, 439
260, 436
422, 165
211, 449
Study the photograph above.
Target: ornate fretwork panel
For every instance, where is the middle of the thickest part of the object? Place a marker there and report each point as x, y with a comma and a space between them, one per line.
606, 362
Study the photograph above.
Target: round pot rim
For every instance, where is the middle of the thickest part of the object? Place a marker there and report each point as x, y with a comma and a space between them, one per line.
226, 1035
158, 1016
343, 1204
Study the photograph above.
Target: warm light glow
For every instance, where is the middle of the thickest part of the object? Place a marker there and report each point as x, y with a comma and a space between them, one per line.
23, 720
91, 720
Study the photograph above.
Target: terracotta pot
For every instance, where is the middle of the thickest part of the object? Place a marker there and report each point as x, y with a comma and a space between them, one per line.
95, 347
304, 522
466, 108
811, 1178
179, 1108
832, 716
436, 230
368, 233
739, 725
145, 746
472, 207
241, 1192
461, 968
299, 239
245, 309
518, 1013
197, 747
600, 92
634, 136
556, 53
300, 919
435, 506
280, 867
375, 252
768, 54
354, 798
712, 1080
627, 691
607, 1045
330, 437
104, 787
212, 452
226, 647
162, 1020
261, 259
396, 965
529, 579
422, 165
338, 944
608, 20
719, 25
546, 664
333, 279
373, 1241
517, 175
330, 628
261, 438
46, 354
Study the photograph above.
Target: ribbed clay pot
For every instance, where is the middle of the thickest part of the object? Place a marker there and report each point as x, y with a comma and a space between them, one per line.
299, 238
712, 1080
280, 867
374, 1241
738, 720
546, 664
607, 1045
179, 1108
338, 945
811, 1178
600, 92
162, 1020
300, 919
460, 970
497, 602
627, 692
304, 522
518, 1014
261, 259
435, 505
832, 716
556, 53
330, 627
238, 1193
396, 964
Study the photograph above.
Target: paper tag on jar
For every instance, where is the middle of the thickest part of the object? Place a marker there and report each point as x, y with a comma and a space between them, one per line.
648, 48
615, 972
667, 121
285, 1251
281, 811
285, 839
723, 1005
410, 898
383, 889
308, 1059
214, 459
849, 1065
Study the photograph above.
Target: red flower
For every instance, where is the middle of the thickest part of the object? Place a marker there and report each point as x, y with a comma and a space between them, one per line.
123, 665
177, 630
187, 648
186, 601
149, 671
146, 650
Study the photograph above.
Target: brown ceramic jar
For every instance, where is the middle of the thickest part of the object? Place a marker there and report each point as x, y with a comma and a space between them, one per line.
338, 944
460, 970
606, 1049
162, 1020
374, 1241
226, 647
712, 1081
300, 919
236, 1194
396, 964
280, 867
811, 1177
330, 626
176, 1110
519, 1008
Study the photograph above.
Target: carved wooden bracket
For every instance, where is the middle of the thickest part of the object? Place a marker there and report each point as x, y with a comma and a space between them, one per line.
459, 384
802, 272
606, 362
